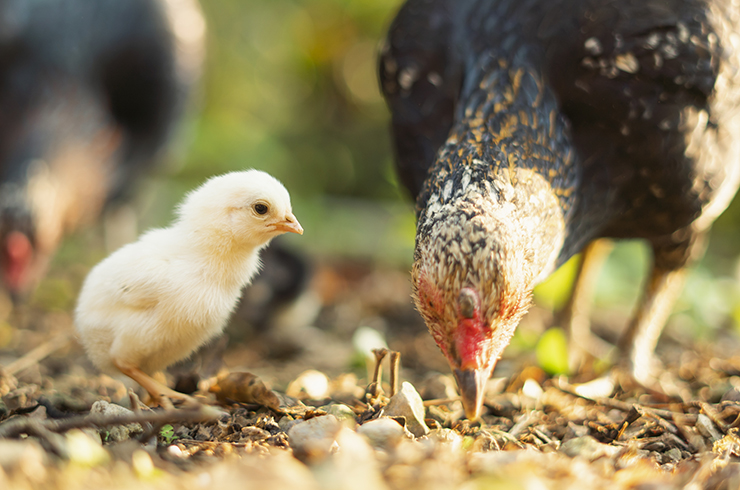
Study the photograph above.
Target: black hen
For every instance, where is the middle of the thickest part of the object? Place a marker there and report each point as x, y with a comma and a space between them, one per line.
528, 128
89, 92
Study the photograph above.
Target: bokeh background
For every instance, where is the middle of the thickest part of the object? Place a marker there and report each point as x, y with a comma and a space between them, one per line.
290, 87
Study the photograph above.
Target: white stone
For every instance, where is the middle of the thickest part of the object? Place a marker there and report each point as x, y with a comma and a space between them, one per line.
313, 383
314, 438
407, 403
116, 433
589, 448
353, 465
84, 449
382, 433
532, 389
343, 413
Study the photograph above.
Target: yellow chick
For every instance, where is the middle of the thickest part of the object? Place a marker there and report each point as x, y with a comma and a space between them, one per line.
155, 301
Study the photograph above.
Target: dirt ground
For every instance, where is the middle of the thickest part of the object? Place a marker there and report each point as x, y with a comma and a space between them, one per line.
323, 427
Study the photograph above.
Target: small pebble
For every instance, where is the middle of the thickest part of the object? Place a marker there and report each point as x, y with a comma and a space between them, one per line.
254, 434
115, 433
598, 388
532, 389
286, 422
407, 403
589, 448
175, 451
313, 439
352, 466
309, 384
382, 433
343, 413
85, 450
706, 427
674, 454
142, 464
447, 437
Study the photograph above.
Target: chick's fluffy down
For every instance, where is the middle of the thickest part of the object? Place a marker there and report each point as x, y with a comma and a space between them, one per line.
155, 301
149, 305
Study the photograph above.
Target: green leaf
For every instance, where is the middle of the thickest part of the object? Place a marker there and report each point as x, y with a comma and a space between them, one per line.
167, 434
552, 351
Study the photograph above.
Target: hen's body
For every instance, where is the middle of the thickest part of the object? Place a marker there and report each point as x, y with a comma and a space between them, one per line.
89, 94
528, 128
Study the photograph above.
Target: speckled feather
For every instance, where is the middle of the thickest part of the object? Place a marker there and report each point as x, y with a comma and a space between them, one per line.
527, 128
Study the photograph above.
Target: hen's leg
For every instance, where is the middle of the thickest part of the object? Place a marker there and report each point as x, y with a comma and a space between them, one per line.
663, 286
159, 392
575, 315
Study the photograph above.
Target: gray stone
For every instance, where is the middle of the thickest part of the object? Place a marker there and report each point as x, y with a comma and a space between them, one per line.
313, 439
706, 427
354, 465
343, 413
382, 433
589, 448
408, 404
115, 433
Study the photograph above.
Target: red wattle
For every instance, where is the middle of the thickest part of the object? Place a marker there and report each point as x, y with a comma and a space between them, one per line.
472, 343
18, 255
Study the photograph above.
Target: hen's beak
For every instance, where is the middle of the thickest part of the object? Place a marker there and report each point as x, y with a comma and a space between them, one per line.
289, 225
472, 383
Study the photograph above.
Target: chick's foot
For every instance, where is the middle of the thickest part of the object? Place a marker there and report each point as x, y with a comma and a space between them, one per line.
160, 394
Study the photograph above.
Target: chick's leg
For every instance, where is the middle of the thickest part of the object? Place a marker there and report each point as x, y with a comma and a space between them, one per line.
663, 287
159, 392
575, 315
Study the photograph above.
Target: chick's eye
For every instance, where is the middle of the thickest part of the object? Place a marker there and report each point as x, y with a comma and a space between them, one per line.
260, 208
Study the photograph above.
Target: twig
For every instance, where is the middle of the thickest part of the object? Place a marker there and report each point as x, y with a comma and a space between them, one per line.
25, 425
529, 419
647, 412
374, 386
543, 436
440, 401
626, 407
37, 354
395, 364
692, 438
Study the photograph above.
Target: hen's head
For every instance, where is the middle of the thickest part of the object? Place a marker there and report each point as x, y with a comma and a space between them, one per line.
472, 288
246, 208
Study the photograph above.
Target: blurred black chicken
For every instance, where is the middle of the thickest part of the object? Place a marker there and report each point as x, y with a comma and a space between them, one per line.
526, 129
89, 93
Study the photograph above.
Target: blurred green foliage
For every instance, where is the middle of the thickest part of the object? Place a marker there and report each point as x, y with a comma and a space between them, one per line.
291, 88
552, 351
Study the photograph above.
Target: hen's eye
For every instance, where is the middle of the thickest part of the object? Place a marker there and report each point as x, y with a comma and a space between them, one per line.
260, 208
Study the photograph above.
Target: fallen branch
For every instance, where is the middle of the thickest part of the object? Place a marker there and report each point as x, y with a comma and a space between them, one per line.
36, 355
26, 425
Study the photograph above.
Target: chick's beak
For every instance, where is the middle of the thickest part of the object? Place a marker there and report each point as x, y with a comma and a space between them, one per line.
471, 383
289, 225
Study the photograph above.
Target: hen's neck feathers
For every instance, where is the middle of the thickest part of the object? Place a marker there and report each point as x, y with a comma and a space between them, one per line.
508, 162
